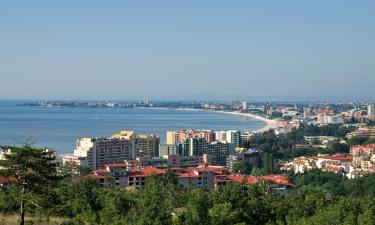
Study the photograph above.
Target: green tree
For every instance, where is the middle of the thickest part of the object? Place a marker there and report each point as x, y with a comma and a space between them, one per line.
242, 167
35, 173
157, 207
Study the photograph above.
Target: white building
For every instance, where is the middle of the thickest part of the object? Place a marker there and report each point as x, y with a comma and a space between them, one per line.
244, 105
83, 145
371, 109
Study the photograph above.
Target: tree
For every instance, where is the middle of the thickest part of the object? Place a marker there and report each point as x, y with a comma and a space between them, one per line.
242, 167
157, 207
35, 172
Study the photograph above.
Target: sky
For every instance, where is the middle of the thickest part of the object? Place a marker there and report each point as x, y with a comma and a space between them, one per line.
211, 49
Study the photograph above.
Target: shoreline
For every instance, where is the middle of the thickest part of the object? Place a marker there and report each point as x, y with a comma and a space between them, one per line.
270, 123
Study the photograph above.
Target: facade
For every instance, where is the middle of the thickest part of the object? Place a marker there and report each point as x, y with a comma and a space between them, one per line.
371, 110
209, 177
368, 132
83, 145
94, 153
168, 149
175, 137
244, 105
230, 136
110, 150
147, 145
78, 160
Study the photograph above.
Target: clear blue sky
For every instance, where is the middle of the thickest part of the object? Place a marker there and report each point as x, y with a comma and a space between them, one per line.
187, 49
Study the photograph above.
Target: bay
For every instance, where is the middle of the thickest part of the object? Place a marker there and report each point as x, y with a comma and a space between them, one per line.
58, 128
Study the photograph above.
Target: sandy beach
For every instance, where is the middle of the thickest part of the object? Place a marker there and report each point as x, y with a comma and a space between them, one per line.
270, 124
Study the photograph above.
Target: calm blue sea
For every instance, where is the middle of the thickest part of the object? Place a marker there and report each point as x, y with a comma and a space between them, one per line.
58, 128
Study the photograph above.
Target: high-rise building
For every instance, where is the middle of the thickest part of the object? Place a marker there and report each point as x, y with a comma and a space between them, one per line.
230, 136
110, 150
125, 145
234, 137
166, 149
221, 136
219, 151
371, 110
174, 137
83, 145
147, 145
244, 105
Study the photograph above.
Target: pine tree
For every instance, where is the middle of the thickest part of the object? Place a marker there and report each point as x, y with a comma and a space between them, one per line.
35, 172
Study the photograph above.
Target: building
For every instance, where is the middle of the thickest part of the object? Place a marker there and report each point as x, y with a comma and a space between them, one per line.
367, 132
244, 105
219, 151
147, 145
125, 145
221, 136
209, 177
230, 136
78, 160
168, 149
306, 113
83, 145
371, 110
175, 137
110, 150
234, 137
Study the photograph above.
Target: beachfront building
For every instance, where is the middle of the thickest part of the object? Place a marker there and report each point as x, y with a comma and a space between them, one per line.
175, 137
244, 105
125, 145
218, 151
230, 136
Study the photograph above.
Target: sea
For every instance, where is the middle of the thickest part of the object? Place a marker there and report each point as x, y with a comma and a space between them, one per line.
58, 128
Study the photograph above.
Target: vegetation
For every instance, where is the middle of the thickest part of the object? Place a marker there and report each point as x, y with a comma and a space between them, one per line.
35, 173
318, 198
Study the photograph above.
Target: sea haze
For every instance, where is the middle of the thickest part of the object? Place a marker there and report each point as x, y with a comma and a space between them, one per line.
59, 128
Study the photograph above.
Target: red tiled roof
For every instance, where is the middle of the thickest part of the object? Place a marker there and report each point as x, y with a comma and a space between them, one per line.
100, 171
116, 165
337, 156
334, 169
4, 180
276, 178
211, 169
187, 175
146, 171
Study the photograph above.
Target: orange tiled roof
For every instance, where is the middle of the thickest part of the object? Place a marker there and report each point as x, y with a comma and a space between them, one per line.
276, 178
116, 165
7, 179
146, 171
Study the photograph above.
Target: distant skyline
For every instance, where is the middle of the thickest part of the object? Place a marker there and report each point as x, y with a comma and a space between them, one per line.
195, 50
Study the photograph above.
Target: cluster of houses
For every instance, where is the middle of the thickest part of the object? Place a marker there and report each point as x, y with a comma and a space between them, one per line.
209, 177
359, 162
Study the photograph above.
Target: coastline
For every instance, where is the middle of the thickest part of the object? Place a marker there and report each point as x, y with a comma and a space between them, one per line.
270, 123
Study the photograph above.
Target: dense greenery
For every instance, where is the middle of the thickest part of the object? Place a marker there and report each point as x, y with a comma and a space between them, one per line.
35, 174
319, 198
